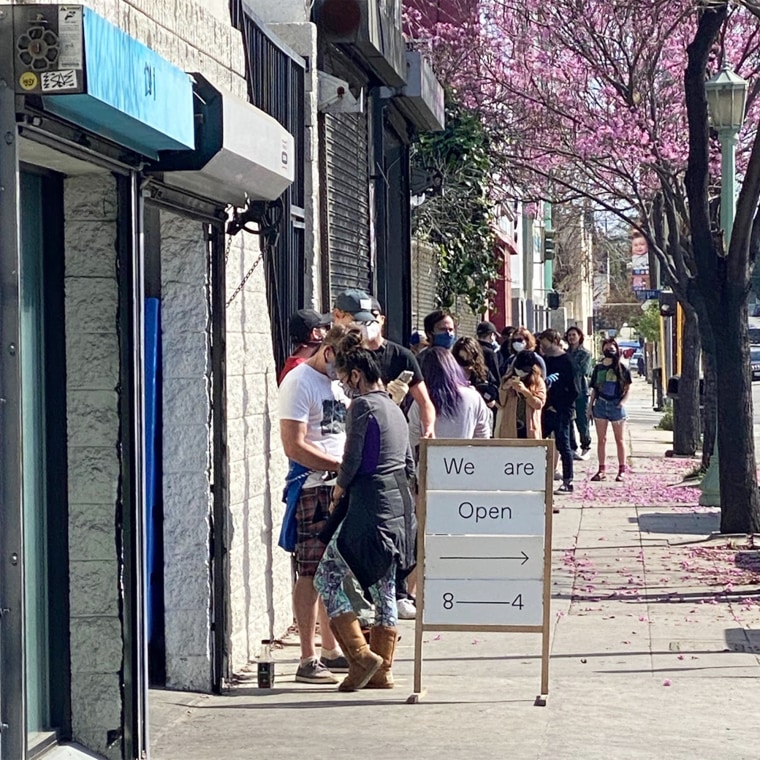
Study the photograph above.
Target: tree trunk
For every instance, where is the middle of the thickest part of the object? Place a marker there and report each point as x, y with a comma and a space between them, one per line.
710, 411
739, 499
686, 423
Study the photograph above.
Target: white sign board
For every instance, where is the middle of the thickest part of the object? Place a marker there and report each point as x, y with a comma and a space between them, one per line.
475, 468
484, 539
485, 513
483, 602
486, 557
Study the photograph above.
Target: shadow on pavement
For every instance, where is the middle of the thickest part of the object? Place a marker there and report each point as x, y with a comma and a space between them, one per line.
685, 523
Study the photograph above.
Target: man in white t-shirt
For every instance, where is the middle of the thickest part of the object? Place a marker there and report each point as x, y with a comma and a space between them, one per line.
312, 428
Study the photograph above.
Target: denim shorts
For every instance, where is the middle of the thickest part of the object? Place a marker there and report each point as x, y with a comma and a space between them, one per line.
609, 410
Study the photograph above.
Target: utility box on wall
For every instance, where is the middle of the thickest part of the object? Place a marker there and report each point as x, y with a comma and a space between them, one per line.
49, 49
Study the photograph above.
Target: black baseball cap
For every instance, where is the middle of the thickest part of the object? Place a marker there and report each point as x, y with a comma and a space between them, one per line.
357, 303
486, 328
304, 321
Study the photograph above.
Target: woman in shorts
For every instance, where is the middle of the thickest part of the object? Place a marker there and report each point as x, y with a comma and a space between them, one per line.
610, 383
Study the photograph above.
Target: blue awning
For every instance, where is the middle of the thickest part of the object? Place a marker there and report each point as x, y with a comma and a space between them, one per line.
132, 95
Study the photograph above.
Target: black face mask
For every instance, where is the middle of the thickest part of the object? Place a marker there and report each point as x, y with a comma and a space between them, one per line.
610, 353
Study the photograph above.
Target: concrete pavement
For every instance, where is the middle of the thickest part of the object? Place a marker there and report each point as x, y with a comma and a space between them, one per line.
654, 651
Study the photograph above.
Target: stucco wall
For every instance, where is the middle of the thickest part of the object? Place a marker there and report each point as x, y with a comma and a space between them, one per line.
186, 436
92, 363
259, 571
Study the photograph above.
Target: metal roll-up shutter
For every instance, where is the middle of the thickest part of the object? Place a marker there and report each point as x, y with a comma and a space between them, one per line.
344, 176
347, 201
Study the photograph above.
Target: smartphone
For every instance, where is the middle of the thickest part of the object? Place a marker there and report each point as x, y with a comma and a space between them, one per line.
406, 376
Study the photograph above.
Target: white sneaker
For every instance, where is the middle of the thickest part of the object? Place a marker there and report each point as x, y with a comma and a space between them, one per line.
406, 609
557, 475
577, 457
585, 454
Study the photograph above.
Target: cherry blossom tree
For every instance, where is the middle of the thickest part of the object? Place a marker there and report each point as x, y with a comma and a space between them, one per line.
586, 99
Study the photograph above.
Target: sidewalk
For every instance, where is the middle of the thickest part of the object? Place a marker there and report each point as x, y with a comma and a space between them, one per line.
655, 648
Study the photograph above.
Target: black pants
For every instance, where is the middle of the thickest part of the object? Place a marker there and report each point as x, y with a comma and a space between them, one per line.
558, 424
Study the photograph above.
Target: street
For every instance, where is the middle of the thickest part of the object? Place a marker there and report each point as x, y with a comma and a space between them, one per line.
654, 650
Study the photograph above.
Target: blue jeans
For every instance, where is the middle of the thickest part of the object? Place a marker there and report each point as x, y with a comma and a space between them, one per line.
613, 411
558, 424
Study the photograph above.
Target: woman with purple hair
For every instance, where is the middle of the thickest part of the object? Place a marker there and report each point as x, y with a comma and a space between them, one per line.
460, 411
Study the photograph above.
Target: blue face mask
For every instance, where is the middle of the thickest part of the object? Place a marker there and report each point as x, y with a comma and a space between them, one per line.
444, 340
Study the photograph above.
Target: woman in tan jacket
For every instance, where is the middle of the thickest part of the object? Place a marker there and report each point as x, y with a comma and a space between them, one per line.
522, 395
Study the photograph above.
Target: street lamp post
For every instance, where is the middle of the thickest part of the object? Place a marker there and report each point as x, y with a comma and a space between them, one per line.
726, 97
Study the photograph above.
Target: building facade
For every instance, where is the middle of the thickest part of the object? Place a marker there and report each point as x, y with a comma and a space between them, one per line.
174, 186
142, 463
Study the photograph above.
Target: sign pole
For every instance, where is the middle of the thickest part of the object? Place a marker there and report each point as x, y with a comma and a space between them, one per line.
420, 601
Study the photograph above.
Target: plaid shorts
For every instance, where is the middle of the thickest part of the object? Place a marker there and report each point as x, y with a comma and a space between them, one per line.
311, 512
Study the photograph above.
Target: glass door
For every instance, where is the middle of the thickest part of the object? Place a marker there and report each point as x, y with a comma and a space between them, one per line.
32, 344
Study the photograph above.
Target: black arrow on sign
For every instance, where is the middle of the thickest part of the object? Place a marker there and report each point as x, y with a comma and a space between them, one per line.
524, 557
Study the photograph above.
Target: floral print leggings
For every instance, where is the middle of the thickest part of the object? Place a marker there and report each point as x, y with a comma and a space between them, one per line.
328, 581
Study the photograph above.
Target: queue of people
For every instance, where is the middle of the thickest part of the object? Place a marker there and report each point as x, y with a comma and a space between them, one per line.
353, 409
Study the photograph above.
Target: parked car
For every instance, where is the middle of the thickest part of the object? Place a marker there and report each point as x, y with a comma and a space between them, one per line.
754, 357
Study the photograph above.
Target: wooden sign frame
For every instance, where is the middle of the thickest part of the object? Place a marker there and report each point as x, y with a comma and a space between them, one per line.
544, 628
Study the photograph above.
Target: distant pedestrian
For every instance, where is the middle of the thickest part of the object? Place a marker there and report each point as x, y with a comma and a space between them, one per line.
583, 365
375, 539
610, 383
559, 409
487, 336
417, 342
641, 365
522, 395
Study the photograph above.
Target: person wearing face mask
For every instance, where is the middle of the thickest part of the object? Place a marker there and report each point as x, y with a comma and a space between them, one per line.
522, 339
312, 411
307, 329
354, 308
522, 395
559, 410
440, 329
374, 541
610, 383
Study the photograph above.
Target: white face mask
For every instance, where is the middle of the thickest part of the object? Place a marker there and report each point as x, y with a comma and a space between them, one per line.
518, 345
521, 372
371, 331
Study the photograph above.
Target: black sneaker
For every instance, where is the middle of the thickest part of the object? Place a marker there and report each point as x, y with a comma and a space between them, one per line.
314, 671
335, 664
565, 488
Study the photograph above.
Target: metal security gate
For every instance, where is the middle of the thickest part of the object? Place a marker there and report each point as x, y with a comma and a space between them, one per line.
275, 77
347, 216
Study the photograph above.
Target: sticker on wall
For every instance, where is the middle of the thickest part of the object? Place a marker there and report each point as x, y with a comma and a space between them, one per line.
28, 80
59, 81
70, 36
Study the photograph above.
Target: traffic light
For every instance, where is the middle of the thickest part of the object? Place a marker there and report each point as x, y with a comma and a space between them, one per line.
552, 299
548, 245
667, 303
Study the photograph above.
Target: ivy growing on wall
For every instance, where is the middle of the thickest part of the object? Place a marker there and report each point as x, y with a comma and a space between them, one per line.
457, 220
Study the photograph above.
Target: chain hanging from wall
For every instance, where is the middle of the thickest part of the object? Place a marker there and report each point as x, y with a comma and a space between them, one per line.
267, 216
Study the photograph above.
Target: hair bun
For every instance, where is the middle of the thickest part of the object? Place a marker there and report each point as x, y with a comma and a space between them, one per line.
351, 341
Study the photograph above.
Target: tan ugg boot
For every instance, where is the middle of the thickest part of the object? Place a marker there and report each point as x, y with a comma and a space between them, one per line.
363, 662
383, 642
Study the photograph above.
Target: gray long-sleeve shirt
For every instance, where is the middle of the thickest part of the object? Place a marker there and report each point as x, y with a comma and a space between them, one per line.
377, 439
